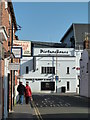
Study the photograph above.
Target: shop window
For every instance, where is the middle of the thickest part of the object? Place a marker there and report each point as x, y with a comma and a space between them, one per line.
49, 86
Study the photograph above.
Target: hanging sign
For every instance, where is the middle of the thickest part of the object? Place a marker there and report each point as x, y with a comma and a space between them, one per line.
14, 66
17, 51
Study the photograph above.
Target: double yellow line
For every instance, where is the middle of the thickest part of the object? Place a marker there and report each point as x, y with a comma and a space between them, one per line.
37, 111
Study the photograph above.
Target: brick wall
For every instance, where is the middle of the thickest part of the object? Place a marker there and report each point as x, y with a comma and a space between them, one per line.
5, 21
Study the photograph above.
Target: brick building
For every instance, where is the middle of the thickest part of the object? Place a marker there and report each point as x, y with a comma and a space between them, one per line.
7, 24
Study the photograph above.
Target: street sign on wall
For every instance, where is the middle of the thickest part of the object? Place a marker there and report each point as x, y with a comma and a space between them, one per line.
14, 66
17, 51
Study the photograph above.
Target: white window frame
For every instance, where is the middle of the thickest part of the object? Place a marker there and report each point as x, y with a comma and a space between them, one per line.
6, 4
9, 18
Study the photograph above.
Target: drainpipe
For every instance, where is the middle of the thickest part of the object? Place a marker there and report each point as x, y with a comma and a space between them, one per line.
0, 78
11, 70
0, 65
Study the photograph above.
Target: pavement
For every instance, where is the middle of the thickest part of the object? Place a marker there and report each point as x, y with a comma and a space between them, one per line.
21, 112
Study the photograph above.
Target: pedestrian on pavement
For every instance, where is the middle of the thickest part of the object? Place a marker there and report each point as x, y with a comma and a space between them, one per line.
21, 90
28, 94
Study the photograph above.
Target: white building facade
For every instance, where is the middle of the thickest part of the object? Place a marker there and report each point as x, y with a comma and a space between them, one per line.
85, 73
52, 70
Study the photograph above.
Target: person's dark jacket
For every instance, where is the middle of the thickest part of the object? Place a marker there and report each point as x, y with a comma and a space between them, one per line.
21, 89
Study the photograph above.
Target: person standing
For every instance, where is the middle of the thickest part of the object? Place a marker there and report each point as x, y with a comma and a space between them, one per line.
21, 90
28, 94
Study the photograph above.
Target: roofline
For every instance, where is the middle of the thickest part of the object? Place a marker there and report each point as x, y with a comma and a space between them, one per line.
72, 26
13, 14
66, 33
35, 41
48, 42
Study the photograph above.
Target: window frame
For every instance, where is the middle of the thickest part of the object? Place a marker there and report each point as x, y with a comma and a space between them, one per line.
47, 70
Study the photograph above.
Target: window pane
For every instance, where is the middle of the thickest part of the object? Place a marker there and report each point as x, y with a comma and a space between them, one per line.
27, 69
41, 69
67, 70
44, 70
68, 86
48, 70
53, 70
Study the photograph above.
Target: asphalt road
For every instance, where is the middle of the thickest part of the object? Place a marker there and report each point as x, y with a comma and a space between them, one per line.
61, 107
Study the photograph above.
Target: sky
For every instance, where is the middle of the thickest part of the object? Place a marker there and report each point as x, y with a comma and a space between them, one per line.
48, 21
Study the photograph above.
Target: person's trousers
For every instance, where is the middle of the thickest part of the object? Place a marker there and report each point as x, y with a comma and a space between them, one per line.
21, 97
28, 100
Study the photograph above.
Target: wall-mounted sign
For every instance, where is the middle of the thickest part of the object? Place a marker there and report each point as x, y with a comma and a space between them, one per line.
56, 78
14, 66
26, 46
53, 51
17, 51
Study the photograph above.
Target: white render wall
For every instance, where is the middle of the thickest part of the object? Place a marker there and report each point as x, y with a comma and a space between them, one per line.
84, 76
78, 57
62, 64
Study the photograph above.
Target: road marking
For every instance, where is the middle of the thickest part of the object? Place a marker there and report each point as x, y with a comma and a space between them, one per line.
61, 105
37, 111
68, 104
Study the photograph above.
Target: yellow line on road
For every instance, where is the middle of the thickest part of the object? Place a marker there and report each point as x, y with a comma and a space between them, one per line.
37, 111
